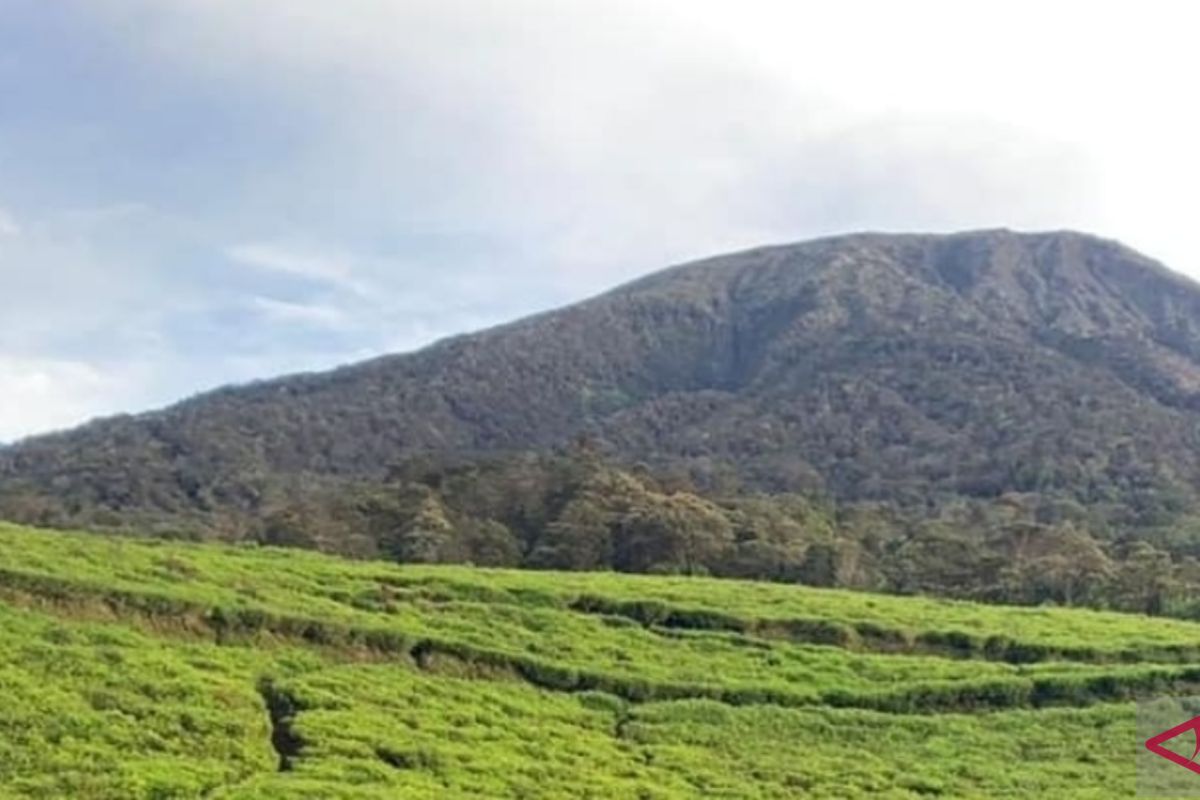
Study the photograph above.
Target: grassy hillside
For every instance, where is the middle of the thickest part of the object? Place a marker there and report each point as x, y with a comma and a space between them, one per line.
136, 668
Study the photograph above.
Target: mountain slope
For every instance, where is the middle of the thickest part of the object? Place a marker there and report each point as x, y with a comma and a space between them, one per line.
891, 367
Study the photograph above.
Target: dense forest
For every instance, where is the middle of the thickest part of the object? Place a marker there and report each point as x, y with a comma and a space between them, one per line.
577, 510
992, 415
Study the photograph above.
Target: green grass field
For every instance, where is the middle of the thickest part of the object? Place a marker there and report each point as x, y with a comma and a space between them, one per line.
140, 668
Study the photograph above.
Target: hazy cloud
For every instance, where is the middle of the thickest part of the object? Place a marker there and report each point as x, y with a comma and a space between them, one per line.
47, 394
8, 225
281, 311
336, 271
217, 190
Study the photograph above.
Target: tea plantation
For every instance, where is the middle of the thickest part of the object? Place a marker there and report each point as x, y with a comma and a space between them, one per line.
146, 669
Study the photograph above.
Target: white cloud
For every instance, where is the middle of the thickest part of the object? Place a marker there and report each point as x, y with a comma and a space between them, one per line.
42, 394
281, 259
336, 271
309, 314
390, 171
637, 131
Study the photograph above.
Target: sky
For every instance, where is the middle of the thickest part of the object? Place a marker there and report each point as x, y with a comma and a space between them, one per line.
205, 192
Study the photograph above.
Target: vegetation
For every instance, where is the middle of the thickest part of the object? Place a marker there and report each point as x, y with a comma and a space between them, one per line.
1002, 417
579, 511
100, 710
144, 668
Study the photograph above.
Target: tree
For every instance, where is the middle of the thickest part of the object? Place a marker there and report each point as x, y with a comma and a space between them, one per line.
580, 538
1070, 567
820, 565
428, 537
1145, 579
287, 527
769, 543
940, 559
671, 533
488, 543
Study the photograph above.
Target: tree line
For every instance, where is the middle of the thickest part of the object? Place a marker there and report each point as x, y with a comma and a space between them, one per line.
578, 511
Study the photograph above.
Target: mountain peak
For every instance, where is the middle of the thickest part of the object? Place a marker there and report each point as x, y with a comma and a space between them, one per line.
869, 366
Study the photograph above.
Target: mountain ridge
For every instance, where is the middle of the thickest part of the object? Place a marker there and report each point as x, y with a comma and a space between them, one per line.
869, 366
627, 286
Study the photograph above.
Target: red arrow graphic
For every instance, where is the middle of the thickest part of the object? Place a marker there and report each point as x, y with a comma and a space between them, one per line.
1154, 744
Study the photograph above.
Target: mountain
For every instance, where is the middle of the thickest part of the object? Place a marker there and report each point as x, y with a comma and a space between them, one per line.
907, 369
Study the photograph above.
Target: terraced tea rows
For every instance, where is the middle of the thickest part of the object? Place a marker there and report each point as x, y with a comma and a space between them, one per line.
322, 677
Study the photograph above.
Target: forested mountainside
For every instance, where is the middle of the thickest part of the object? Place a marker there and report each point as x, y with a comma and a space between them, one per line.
918, 381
